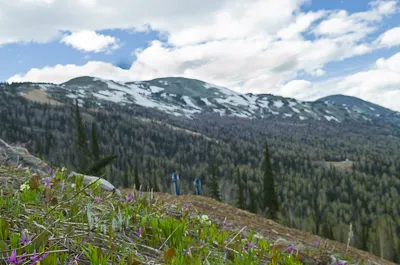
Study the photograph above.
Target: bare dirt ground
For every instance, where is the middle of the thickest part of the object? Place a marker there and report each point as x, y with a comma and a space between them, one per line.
41, 97
239, 219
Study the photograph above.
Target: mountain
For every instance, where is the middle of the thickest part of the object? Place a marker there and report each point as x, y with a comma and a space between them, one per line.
333, 165
357, 104
190, 97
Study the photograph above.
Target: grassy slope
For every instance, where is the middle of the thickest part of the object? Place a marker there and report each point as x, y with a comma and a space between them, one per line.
66, 220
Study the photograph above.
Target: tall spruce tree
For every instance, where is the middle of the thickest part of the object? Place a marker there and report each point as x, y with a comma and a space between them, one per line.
240, 196
253, 201
95, 143
82, 147
136, 176
126, 177
214, 180
270, 196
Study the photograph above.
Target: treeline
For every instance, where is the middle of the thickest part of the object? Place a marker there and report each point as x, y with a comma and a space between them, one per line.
230, 153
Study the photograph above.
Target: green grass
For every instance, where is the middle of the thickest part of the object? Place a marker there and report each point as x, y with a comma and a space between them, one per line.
69, 222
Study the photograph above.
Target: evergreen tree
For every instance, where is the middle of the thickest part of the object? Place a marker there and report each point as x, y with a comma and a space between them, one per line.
214, 181
136, 176
82, 150
270, 196
240, 196
253, 201
95, 143
126, 178
155, 184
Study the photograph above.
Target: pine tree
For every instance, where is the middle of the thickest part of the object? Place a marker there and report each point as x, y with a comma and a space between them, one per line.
83, 153
136, 176
126, 178
214, 181
253, 201
95, 143
240, 196
270, 196
155, 184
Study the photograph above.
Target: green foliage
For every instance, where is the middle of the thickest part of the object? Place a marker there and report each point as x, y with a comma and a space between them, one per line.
214, 186
270, 203
240, 195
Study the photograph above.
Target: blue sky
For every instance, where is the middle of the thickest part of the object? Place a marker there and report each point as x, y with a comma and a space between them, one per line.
296, 48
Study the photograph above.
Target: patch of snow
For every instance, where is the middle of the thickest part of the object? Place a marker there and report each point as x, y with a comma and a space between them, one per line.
278, 103
288, 115
274, 112
205, 100
292, 103
302, 118
295, 110
329, 118
189, 102
371, 108
81, 91
223, 90
72, 96
114, 96
155, 89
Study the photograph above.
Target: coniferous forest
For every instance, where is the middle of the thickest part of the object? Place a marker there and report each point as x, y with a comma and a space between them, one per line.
311, 175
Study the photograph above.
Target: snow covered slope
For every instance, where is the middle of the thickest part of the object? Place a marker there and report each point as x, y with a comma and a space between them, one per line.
189, 97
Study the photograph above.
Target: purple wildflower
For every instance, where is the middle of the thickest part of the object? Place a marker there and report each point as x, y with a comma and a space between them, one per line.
141, 193
317, 242
187, 206
139, 233
201, 242
291, 249
24, 240
340, 263
38, 258
14, 259
75, 261
47, 182
225, 224
131, 197
97, 199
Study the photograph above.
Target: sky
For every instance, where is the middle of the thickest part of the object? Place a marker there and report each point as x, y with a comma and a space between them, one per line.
304, 49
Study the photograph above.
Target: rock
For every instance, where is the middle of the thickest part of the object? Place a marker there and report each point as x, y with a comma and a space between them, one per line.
104, 184
20, 157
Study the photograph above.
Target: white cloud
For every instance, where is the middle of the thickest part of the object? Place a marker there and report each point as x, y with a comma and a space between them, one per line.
380, 85
248, 45
90, 41
62, 73
390, 38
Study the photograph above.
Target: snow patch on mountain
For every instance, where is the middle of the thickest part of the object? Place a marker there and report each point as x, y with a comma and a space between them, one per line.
329, 118
278, 103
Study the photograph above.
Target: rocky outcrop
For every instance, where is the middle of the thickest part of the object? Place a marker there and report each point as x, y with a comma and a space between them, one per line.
19, 156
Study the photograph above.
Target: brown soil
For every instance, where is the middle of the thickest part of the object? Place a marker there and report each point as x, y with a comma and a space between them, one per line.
239, 219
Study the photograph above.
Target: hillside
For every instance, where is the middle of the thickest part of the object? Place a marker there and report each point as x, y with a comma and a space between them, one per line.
328, 174
57, 220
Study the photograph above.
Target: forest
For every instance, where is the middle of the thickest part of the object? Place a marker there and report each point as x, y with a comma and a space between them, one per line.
327, 176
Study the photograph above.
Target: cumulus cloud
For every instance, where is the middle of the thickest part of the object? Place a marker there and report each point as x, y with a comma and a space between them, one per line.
379, 85
256, 46
390, 38
90, 41
62, 73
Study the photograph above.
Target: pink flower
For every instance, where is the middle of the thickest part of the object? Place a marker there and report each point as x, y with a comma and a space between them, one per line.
97, 199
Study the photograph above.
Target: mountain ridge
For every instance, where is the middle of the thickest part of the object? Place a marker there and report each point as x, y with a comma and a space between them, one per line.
190, 97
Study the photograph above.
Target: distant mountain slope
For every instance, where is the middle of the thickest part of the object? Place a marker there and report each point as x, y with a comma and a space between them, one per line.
356, 104
189, 97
